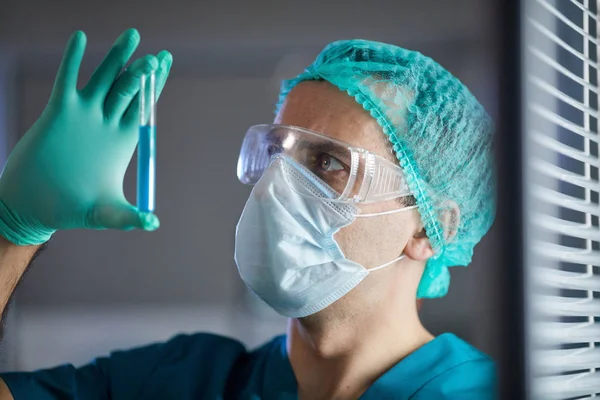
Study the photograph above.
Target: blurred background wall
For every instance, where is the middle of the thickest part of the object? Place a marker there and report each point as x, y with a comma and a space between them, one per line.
92, 292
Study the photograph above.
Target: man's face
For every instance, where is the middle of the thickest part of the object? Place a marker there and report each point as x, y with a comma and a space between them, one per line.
372, 241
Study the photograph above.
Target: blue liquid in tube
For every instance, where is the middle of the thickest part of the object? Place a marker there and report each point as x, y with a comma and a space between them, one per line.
146, 171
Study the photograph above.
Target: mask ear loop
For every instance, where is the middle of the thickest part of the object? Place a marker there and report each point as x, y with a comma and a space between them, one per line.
386, 264
386, 212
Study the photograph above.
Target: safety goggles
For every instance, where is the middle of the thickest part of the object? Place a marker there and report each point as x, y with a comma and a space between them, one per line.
355, 174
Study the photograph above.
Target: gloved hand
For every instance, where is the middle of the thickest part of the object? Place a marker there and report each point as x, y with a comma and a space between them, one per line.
67, 171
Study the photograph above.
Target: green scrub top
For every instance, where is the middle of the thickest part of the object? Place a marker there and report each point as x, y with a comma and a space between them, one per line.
206, 366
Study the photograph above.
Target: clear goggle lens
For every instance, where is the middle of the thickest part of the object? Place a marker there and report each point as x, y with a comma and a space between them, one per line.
356, 175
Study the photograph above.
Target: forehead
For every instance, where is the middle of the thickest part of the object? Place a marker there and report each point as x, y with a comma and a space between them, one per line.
322, 107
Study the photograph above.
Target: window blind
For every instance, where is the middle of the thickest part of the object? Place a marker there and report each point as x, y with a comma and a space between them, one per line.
562, 234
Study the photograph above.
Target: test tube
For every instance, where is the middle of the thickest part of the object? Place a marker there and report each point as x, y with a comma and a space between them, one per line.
146, 172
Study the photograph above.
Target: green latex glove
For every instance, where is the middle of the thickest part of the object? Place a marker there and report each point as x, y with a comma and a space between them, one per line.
67, 171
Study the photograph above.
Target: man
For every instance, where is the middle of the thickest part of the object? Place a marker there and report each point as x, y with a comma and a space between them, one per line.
374, 178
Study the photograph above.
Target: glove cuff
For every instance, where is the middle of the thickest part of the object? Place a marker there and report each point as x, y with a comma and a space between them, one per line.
19, 230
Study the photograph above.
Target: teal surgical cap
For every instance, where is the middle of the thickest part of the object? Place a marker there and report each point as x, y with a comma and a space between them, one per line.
440, 134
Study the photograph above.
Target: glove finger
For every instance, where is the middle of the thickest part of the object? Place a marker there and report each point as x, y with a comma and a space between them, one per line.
122, 216
106, 73
127, 86
132, 114
166, 60
68, 72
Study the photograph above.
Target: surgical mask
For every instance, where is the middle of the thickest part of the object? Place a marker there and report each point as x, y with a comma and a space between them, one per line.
284, 248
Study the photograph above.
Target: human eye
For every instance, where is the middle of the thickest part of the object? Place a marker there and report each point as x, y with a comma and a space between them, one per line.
326, 163
331, 170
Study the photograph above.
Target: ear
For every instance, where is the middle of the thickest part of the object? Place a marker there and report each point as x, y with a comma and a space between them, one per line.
418, 247
450, 219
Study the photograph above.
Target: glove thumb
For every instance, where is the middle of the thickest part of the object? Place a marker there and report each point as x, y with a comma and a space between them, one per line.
123, 216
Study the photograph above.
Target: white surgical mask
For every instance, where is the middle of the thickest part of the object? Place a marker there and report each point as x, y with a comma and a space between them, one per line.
284, 245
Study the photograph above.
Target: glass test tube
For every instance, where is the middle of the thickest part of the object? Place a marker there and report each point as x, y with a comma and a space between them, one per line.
146, 172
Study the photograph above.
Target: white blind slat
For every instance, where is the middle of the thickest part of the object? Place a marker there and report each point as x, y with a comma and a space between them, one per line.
548, 88
567, 21
566, 306
559, 68
567, 386
568, 280
582, 8
566, 254
568, 228
563, 200
562, 361
553, 171
552, 333
558, 41
563, 122
553, 144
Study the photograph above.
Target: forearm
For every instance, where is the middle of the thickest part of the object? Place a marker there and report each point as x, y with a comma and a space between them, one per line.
14, 261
